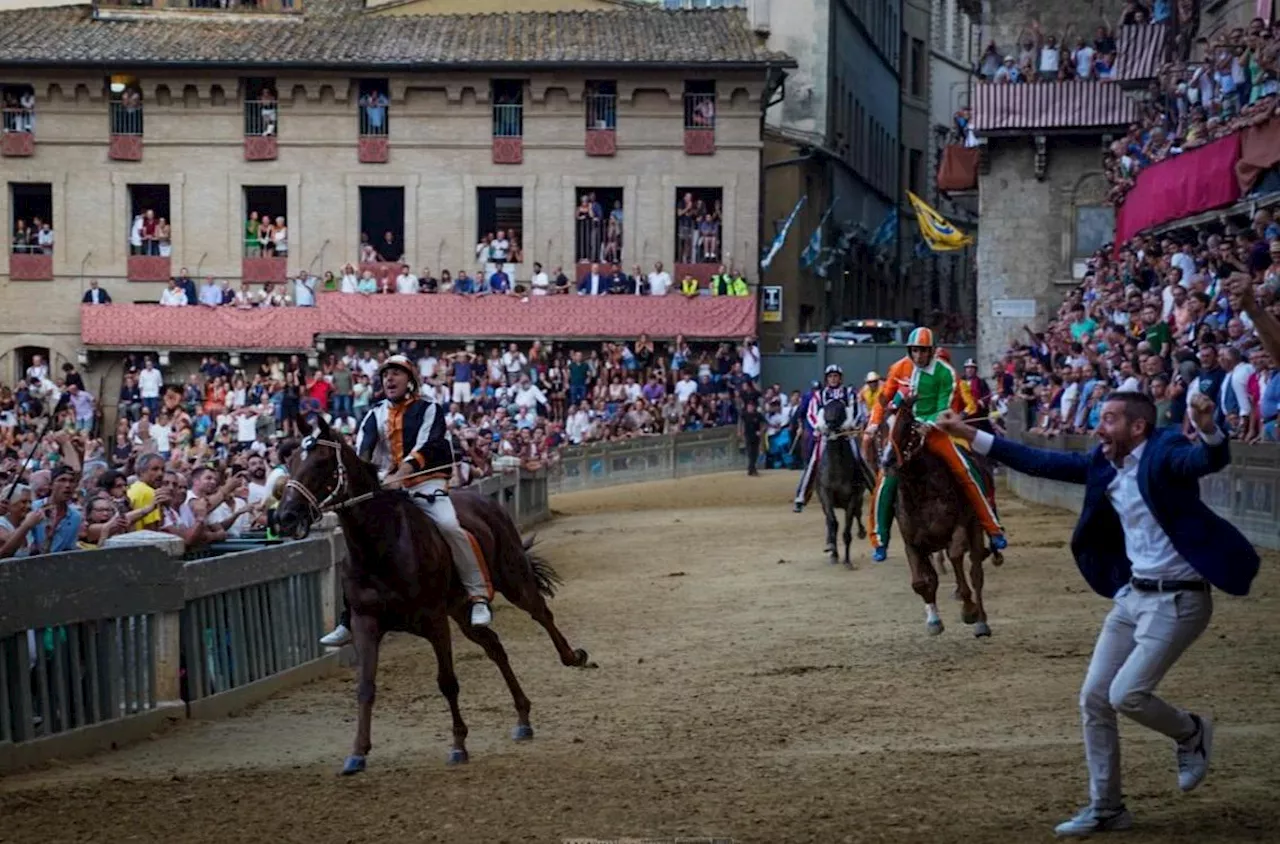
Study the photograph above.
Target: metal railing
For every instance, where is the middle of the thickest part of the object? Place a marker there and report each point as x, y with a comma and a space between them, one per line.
508, 120
699, 111
235, 6
375, 120
697, 243
598, 240
602, 111
125, 120
18, 119
261, 117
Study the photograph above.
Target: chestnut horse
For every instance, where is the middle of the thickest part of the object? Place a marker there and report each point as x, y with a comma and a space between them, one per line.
399, 574
934, 516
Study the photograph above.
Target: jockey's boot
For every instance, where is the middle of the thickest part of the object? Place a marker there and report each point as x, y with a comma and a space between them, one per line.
481, 615
999, 543
879, 554
339, 637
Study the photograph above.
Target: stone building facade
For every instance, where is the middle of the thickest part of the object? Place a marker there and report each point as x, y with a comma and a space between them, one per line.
447, 167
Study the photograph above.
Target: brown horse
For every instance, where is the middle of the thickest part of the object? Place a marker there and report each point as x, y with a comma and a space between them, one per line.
934, 516
399, 574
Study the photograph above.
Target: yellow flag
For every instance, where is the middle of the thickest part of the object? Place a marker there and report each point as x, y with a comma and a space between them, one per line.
939, 235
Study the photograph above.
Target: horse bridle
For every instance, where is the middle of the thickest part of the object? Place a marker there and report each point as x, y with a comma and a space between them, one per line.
319, 506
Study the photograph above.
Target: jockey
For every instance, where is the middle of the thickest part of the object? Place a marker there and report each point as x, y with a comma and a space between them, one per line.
977, 388
833, 390
936, 387
405, 435
869, 396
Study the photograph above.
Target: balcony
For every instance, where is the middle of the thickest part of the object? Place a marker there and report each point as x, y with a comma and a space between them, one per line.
264, 270
34, 266
260, 119
508, 133
441, 316
602, 123
19, 137
699, 124
126, 132
108, 9
148, 268
374, 145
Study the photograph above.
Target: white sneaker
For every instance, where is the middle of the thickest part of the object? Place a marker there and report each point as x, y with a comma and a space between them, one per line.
480, 614
1193, 755
1092, 820
339, 637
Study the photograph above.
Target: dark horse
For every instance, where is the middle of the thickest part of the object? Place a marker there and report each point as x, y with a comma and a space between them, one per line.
934, 515
399, 574
842, 479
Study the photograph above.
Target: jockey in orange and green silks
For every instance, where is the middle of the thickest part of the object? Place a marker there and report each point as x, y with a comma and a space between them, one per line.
936, 388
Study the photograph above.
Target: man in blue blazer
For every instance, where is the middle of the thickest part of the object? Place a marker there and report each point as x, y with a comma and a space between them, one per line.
1146, 540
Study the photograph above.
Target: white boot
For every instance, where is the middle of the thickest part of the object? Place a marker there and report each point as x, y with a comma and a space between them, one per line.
481, 616
339, 637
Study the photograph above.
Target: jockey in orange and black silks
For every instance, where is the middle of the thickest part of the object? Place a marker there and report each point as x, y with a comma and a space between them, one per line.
833, 389
936, 388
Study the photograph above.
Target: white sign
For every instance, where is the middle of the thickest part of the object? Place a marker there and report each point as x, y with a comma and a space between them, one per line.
1014, 308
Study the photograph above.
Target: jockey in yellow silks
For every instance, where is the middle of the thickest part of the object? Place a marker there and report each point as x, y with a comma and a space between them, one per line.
936, 388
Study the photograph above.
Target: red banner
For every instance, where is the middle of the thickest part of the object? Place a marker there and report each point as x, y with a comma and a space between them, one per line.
1197, 180
342, 315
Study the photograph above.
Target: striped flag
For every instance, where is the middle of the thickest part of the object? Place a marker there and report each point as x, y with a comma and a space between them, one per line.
781, 237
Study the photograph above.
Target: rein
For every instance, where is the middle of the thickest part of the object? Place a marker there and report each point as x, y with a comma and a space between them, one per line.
328, 504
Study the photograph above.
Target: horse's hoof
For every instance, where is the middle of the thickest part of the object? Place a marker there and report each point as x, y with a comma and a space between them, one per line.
833, 559
458, 756
862, 533
935, 628
522, 732
997, 558
580, 658
981, 630
848, 564
353, 765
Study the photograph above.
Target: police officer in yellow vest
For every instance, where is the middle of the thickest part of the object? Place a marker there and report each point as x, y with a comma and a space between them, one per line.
728, 284
689, 286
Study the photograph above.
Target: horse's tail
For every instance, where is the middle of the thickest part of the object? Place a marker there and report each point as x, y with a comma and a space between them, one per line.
544, 575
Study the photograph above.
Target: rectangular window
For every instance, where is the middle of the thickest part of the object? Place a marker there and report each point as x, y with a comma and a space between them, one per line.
126, 105
699, 215
597, 225
919, 67
1095, 228
19, 107
915, 172
508, 108
499, 227
31, 221
149, 229
381, 225
602, 105
266, 230
374, 105
699, 104
261, 107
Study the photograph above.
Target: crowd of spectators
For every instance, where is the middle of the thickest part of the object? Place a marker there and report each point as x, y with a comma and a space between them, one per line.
34, 238
1231, 86
1168, 317
203, 457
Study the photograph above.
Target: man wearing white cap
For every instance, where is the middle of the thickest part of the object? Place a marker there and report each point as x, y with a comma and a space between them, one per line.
405, 436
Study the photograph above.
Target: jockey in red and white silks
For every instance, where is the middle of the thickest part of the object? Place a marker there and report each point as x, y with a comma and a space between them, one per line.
832, 390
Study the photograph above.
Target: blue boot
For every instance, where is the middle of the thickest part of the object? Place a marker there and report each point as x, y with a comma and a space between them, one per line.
879, 554
999, 543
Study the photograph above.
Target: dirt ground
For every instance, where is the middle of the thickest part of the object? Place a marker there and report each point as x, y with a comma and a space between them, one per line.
745, 690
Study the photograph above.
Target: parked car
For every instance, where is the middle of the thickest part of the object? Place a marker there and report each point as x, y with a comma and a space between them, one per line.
855, 332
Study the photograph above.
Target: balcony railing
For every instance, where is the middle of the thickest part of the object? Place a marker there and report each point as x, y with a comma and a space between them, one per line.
375, 142
248, 7
598, 241
699, 124
31, 263
602, 123
260, 121
508, 133
19, 137
126, 132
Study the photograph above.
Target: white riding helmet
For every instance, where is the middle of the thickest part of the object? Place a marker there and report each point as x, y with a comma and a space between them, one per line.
833, 368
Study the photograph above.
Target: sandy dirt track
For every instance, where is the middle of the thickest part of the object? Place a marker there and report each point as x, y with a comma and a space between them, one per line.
746, 689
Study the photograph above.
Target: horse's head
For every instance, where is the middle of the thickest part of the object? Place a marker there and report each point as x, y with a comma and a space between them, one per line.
834, 414
319, 477
905, 439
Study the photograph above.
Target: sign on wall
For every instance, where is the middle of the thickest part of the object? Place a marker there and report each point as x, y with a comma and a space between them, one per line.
1014, 308
771, 304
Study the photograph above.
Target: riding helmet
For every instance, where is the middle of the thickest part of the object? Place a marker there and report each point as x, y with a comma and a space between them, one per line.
920, 338
403, 363
833, 368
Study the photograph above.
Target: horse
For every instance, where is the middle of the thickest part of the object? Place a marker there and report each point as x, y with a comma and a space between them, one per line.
934, 516
842, 480
399, 575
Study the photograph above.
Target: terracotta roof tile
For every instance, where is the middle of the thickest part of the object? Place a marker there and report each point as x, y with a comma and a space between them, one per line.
330, 34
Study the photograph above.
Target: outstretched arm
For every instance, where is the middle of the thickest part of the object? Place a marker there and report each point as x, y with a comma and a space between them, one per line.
1064, 466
